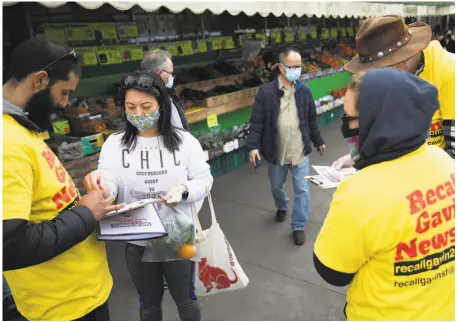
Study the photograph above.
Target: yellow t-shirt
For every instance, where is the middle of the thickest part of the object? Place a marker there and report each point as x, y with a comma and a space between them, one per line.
36, 187
393, 225
439, 71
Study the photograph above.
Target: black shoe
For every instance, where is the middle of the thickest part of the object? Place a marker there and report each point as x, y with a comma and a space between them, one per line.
281, 215
299, 237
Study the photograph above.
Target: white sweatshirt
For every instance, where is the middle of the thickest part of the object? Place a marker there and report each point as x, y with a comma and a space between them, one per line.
150, 170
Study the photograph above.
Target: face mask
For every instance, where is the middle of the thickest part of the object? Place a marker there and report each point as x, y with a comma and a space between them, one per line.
345, 129
144, 122
292, 74
40, 107
169, 84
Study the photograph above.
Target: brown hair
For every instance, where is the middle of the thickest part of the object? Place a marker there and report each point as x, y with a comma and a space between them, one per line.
355, 84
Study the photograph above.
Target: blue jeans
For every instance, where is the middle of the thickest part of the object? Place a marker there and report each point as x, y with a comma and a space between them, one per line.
278, 175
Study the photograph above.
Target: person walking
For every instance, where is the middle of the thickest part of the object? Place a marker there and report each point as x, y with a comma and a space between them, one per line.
390, 230
49, 243
387, 42
153, 159
283, 125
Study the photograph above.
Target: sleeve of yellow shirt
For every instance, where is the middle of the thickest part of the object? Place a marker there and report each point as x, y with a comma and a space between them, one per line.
17, 184
447, 99
340, 244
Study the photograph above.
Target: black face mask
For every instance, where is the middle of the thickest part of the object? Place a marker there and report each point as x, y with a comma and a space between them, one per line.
40, 107
345, 130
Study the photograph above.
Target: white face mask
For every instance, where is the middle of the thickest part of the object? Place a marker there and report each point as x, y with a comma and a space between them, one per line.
169, 84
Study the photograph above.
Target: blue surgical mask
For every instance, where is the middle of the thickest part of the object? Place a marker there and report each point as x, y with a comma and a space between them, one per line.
144, 122
169, 84
292, 74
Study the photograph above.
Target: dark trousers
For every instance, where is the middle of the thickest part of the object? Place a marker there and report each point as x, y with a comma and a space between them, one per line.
148, 279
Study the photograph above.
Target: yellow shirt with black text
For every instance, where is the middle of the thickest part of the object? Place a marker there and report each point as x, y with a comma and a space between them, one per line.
393, 225
36, 187
439, 70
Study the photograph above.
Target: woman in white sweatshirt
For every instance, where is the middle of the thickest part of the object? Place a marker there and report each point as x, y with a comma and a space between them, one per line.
153, 159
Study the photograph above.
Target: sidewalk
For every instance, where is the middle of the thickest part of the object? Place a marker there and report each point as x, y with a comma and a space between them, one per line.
283, 282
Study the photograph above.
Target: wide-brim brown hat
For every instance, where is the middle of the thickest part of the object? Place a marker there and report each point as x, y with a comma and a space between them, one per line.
386, 41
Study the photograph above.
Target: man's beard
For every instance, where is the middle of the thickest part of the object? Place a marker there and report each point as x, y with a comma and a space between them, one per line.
40, 107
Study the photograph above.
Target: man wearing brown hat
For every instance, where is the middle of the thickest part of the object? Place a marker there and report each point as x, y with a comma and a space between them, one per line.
387, 42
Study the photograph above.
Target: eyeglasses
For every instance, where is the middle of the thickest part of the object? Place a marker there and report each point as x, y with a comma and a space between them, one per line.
292, 67
162, 70
72, 53
143, 82
344, 116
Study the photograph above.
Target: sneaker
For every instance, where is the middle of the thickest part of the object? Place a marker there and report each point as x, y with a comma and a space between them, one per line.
299, 237
281, 215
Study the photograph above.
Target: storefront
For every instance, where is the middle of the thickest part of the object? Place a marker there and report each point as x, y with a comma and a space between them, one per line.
221, 52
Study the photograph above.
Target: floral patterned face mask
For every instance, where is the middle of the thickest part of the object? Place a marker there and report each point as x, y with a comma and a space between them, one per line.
144, 122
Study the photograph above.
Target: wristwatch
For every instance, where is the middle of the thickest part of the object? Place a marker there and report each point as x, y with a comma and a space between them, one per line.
185, 194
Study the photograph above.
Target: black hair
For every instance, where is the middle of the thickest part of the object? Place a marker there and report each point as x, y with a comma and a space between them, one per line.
33, 55
286, 52
170, 134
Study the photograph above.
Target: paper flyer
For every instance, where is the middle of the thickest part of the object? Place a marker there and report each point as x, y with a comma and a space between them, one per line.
329, 178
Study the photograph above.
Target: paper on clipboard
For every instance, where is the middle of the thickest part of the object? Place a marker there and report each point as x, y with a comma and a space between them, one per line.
143, 220
329, 178
132, 206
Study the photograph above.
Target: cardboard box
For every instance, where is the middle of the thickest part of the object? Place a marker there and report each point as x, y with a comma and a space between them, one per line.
205, 85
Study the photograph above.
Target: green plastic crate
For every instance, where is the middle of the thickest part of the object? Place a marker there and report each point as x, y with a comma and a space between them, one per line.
228, 162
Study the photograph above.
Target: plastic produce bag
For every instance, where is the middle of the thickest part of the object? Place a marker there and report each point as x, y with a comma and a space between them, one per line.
181, 231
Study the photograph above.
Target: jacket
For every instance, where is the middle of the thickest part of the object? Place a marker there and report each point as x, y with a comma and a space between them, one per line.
264, 120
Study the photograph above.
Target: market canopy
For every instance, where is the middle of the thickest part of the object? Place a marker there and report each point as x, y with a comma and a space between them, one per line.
277, 8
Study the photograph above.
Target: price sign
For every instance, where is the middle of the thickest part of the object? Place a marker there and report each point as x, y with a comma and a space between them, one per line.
80, 33
263, 37
350, 31
289, 37
56, 32
250, 36
87, 56
325, 33
184, 48
217, 43
313, 32
173, 49
343, 32
276, 37
132, 31
110, 55
211, 120
301, 35
44, 135
136, 52
201, 46
108, 30
334, 33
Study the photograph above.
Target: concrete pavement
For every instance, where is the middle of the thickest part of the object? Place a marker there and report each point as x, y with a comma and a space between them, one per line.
283, 282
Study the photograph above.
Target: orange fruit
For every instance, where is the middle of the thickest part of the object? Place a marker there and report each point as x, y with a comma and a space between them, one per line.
187, 251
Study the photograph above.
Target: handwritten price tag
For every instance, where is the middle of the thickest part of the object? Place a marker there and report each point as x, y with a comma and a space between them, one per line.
289, 36
301, 35
211, 120
343, 32
108, 30
350, 31
276, 37
334, 33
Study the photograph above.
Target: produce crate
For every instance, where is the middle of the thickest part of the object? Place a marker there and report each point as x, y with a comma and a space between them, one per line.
228, 162
330, 116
